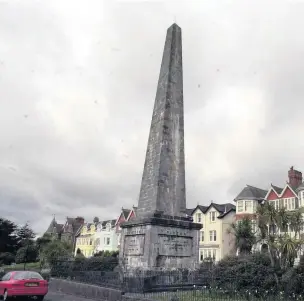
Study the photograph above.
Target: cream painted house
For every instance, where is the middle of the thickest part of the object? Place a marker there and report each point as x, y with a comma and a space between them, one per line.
106, 238
215, 242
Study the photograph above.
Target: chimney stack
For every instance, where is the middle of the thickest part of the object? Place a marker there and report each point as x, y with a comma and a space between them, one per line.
79, 219
295, 177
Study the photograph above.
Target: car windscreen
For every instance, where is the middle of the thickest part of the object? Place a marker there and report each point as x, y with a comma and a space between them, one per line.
24, 275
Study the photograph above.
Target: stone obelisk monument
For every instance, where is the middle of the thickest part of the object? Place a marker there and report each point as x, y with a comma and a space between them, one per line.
162, 236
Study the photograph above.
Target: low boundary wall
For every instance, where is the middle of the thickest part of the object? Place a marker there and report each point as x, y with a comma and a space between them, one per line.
90, 291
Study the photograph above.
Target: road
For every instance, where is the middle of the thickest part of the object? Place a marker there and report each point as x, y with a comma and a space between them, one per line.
55, 296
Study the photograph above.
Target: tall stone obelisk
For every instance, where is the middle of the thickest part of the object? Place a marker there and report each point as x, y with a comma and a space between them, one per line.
163, 182
162, 236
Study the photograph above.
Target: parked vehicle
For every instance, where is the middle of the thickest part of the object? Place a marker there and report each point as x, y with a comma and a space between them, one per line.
23, 284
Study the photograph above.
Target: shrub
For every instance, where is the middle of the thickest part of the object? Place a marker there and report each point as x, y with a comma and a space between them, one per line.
245, 273
27, 254
7, 258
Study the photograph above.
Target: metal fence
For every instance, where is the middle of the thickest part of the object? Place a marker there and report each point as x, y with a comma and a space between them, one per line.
179, 285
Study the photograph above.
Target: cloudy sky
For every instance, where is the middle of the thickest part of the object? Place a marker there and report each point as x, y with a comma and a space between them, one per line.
77, 87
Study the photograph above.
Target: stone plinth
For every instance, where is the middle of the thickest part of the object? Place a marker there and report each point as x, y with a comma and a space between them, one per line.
160, 243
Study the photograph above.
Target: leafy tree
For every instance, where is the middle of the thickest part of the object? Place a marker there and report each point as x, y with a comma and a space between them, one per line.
54, 251
9, 239
96, 220
6, 258
27, 254
275, 227
25, 235
244, 236
43, 241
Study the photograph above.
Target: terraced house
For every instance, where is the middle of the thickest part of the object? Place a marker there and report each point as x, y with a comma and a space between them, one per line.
106, 238
290, 196
215, 241
67, 231
85, 239
125, 215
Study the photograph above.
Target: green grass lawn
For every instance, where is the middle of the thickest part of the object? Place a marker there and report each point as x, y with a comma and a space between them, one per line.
20, 266
190, 296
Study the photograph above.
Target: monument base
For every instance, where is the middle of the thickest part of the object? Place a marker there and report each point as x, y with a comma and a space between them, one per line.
159, 243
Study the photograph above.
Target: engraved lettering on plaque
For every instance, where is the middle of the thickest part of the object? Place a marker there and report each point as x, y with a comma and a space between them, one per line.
171, 245
134, 245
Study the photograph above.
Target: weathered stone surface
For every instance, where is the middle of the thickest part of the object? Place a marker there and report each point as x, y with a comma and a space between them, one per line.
165, 248
163, 182
161, 236
134, 244
86, 290
172, 245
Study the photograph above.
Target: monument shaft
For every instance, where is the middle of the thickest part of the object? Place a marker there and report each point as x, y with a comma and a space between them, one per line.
162, 236
163, 182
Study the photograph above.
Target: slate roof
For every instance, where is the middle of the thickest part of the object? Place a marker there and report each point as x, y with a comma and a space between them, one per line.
74, 223
104, 223
223, 209
251, 193
189, 211
55, 225
301, 187
126, 212
277, 189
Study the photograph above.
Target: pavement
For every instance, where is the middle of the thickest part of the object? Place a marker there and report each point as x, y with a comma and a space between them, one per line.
55, 296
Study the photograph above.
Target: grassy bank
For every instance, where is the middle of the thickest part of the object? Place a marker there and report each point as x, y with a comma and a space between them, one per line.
20, 266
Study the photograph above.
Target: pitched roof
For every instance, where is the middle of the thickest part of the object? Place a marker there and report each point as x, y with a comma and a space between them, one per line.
277, 189
54, 225
301, 187
75, 223
125, 212
104, 223
251, 193
189, 211
223, 209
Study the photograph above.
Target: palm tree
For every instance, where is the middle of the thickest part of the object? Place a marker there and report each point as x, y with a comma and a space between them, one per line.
288, 247
244, 236
296, 222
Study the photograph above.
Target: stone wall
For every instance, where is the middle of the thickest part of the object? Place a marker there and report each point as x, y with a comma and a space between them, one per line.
90, 291
86, 290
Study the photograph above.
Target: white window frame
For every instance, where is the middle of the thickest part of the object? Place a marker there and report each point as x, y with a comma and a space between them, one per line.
248, 205
254, 206
212, 235
212, 216
240, 205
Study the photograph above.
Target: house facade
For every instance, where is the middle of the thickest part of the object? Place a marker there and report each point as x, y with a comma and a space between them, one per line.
106, 238
125, 215
85, 239
215, 241
66, 232
290, 196
54, 229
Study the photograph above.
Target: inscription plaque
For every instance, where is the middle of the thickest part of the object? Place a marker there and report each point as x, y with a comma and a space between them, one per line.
134, 245
170, 245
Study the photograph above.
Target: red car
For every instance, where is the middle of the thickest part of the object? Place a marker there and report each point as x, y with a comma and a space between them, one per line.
23, 284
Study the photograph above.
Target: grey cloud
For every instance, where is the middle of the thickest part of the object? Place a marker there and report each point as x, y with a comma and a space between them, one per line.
76, 111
